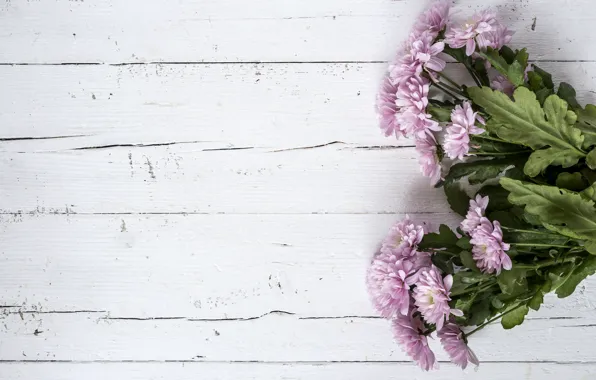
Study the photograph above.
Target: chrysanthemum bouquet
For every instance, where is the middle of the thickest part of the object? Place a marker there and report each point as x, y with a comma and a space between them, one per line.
515, 156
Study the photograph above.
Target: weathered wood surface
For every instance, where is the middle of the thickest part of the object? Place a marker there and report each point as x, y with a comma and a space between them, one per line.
200, 195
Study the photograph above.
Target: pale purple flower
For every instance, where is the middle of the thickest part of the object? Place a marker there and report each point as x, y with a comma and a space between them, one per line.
403, 238
413, 94
489, 250
408, 331
387, 109
434, 19
463, 124
412, 99
475, 213
425, 52
454, 343
500, 83
430, 164
404, 67
388, 281
495, 38
431, 296
481, 22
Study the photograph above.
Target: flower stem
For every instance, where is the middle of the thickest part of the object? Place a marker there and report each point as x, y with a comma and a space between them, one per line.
546, 263
444, 88
529, 231
540, 245
499, 153
493, 319
451, 81
474, 76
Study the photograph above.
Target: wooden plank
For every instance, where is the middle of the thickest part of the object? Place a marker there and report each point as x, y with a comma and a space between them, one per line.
273, 338
331, 179
295, 371
229, 31
271, 106
205, 266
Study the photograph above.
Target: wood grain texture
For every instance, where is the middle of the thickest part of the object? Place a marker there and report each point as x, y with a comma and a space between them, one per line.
267, 30
268, 106
205, 266
193, 189
279, 337
290, 371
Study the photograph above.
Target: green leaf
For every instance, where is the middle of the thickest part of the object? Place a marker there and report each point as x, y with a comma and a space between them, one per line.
590, 246
538, 298
458, 199
480, 171
479, 312
515, 317
443, 262
559, 210
589, 193
525, 122
568, 94
468, 261
571, 181
586, 122
508, 54
439, 113
535, 81
547, 79
543, 94
490, 146
515, 73
522, 57
513, 282
497, 196
443, 239
591, 159
585, 269
464, 243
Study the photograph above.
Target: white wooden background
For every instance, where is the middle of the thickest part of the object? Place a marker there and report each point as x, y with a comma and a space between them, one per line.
192, 189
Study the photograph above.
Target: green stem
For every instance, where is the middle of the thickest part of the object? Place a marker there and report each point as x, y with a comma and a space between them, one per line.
444, 89
474, 76
493, 319
546, 263
481, 288
529, 231
451, 81
540, 245
499, 153
487, 137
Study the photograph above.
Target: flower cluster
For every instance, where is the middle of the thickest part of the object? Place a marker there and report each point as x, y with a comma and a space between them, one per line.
403, 99
408, 289
521, 148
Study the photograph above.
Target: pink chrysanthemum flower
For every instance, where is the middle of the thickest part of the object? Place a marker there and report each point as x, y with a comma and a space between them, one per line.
500, 83
413, 94
388, 282
434, 19
408, 331
463, 124
403, 238
431, 296
489, 250
453, 342
387, 109
430, 164
495, 38
426, 53
475, 213
412, 99
481, 22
